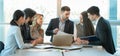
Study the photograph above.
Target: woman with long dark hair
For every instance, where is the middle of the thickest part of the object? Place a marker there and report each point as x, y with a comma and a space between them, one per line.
14, 38
84, 28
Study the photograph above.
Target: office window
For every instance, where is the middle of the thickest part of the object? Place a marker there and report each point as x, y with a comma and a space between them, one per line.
46, 7
77, 6
118, 9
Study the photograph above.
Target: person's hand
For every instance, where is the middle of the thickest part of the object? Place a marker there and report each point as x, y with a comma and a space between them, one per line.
84, 42
34, 42
55, 30
78, 41
39, 40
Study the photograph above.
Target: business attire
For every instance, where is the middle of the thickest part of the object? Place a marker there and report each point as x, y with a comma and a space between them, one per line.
55, 23
25, 31
13, 41
104, 34
36, 33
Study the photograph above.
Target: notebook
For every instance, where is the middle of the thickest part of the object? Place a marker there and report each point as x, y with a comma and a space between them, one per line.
62, 40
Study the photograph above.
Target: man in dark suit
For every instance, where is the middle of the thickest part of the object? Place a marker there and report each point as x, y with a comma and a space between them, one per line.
25, 29
103, 30
61, 24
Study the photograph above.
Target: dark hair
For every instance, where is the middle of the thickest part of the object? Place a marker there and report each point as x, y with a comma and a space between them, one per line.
1, 46
16, 16
87, 24
29, 13
65, 8
94, 10
42, 15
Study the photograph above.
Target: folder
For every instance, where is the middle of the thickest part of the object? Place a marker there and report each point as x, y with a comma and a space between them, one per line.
90, 38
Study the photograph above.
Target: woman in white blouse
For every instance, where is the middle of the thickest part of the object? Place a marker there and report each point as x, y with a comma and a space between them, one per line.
14, 38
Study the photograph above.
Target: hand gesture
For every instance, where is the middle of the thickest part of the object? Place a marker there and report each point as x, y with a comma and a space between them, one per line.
55, 30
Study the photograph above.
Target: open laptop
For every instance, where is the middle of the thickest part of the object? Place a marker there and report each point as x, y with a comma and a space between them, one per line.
62, 40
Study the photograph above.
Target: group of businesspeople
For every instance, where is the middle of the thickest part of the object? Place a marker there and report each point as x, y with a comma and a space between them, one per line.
22, 31
25, 27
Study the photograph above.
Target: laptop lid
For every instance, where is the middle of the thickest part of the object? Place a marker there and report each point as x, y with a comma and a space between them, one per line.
62, 40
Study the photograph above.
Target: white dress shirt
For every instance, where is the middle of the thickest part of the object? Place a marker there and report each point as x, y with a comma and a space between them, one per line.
95, 23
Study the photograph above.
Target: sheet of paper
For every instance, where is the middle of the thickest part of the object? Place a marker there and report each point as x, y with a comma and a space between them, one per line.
44, 46
61, 33
72, 47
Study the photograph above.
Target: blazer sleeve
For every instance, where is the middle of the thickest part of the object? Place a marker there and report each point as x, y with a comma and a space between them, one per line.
49, 30
93, 41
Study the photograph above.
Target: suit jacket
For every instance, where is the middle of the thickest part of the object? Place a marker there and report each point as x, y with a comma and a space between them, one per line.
103, 32
54, 23
25, 31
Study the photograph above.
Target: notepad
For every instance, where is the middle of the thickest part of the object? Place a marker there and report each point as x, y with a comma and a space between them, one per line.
72, 47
